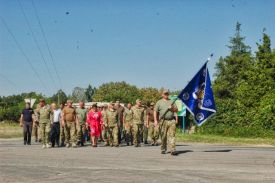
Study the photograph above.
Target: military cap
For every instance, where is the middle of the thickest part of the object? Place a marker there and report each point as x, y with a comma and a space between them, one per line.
152, 104
41, 100
138, 100
69, 101
165, 92
112, 103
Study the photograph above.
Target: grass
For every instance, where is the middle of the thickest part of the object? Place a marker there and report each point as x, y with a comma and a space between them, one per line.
10, 130
216, 139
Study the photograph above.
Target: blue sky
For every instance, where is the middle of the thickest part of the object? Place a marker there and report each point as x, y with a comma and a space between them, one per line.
146, 42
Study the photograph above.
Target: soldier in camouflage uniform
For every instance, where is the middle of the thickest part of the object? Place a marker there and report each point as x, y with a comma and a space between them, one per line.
69, 120
62, 127
44, 114
81, 114
153, 131
36, 129
105, 125
111, 121
120, 111
138, 122
164, 113
145, 127
128, 124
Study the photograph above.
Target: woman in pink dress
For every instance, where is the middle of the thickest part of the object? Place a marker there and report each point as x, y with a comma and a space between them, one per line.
94, 121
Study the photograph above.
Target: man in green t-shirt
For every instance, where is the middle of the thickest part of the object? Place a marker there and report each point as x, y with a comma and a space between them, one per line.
164, 116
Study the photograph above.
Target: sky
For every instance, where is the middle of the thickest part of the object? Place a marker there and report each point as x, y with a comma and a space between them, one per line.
147, 43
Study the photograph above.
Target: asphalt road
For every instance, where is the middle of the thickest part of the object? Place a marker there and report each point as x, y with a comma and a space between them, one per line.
195, 163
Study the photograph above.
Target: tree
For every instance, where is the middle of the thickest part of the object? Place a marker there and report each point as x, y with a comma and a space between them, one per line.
59, 97
89, 93
78, 94
149, 95
113, 91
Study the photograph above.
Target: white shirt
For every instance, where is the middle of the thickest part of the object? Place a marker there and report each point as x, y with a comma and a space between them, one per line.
56, 115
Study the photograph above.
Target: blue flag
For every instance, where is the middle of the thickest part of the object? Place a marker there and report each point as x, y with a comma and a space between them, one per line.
198, 96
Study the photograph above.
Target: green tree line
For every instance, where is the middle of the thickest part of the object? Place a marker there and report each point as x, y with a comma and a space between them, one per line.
243, 84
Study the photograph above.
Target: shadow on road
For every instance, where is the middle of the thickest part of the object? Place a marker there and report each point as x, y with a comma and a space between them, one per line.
183, 152
223, 150
182, 145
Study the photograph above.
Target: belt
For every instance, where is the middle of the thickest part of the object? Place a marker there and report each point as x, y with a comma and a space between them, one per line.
170, 119
56, 122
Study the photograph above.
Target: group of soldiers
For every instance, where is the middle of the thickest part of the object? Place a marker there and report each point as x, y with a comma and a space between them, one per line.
67, 126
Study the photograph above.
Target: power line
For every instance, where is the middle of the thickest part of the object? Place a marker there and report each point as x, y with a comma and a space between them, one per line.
47, 43
36, 42
8, 80
24, 54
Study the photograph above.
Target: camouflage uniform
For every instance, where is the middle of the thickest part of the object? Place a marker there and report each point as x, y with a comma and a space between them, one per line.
62, 134
112, 119
70, 126
153, 131
145, 129
36, 129
138, 118
167, 125
128, 125
81, 127
44, 114
104, 131
120, 111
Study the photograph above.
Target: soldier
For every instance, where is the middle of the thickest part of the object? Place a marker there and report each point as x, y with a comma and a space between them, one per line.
145, 127
153, 131
111, 121
164, 117
120, 110
138, 122
105, 126
128, 124
36, 129
81, 114
44, 114
69, 120
62, 129
26, 120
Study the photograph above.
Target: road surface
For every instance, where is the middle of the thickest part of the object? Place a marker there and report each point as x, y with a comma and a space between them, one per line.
195, 163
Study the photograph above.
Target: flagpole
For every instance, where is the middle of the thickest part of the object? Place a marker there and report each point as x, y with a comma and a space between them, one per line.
174, 101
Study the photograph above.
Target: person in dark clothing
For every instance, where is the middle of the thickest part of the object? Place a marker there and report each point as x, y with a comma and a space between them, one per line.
26, 121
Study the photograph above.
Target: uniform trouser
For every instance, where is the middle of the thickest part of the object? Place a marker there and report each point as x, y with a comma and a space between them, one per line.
153, 132
113, 135
168, 134
45, 129
36, 130
27, 132
70, 132
145, 133
120, 133
55, 133
62, 134
129, 132
81, 129
104, 134
138, 133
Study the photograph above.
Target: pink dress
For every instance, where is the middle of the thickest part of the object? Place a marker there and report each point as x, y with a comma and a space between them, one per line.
94, 120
